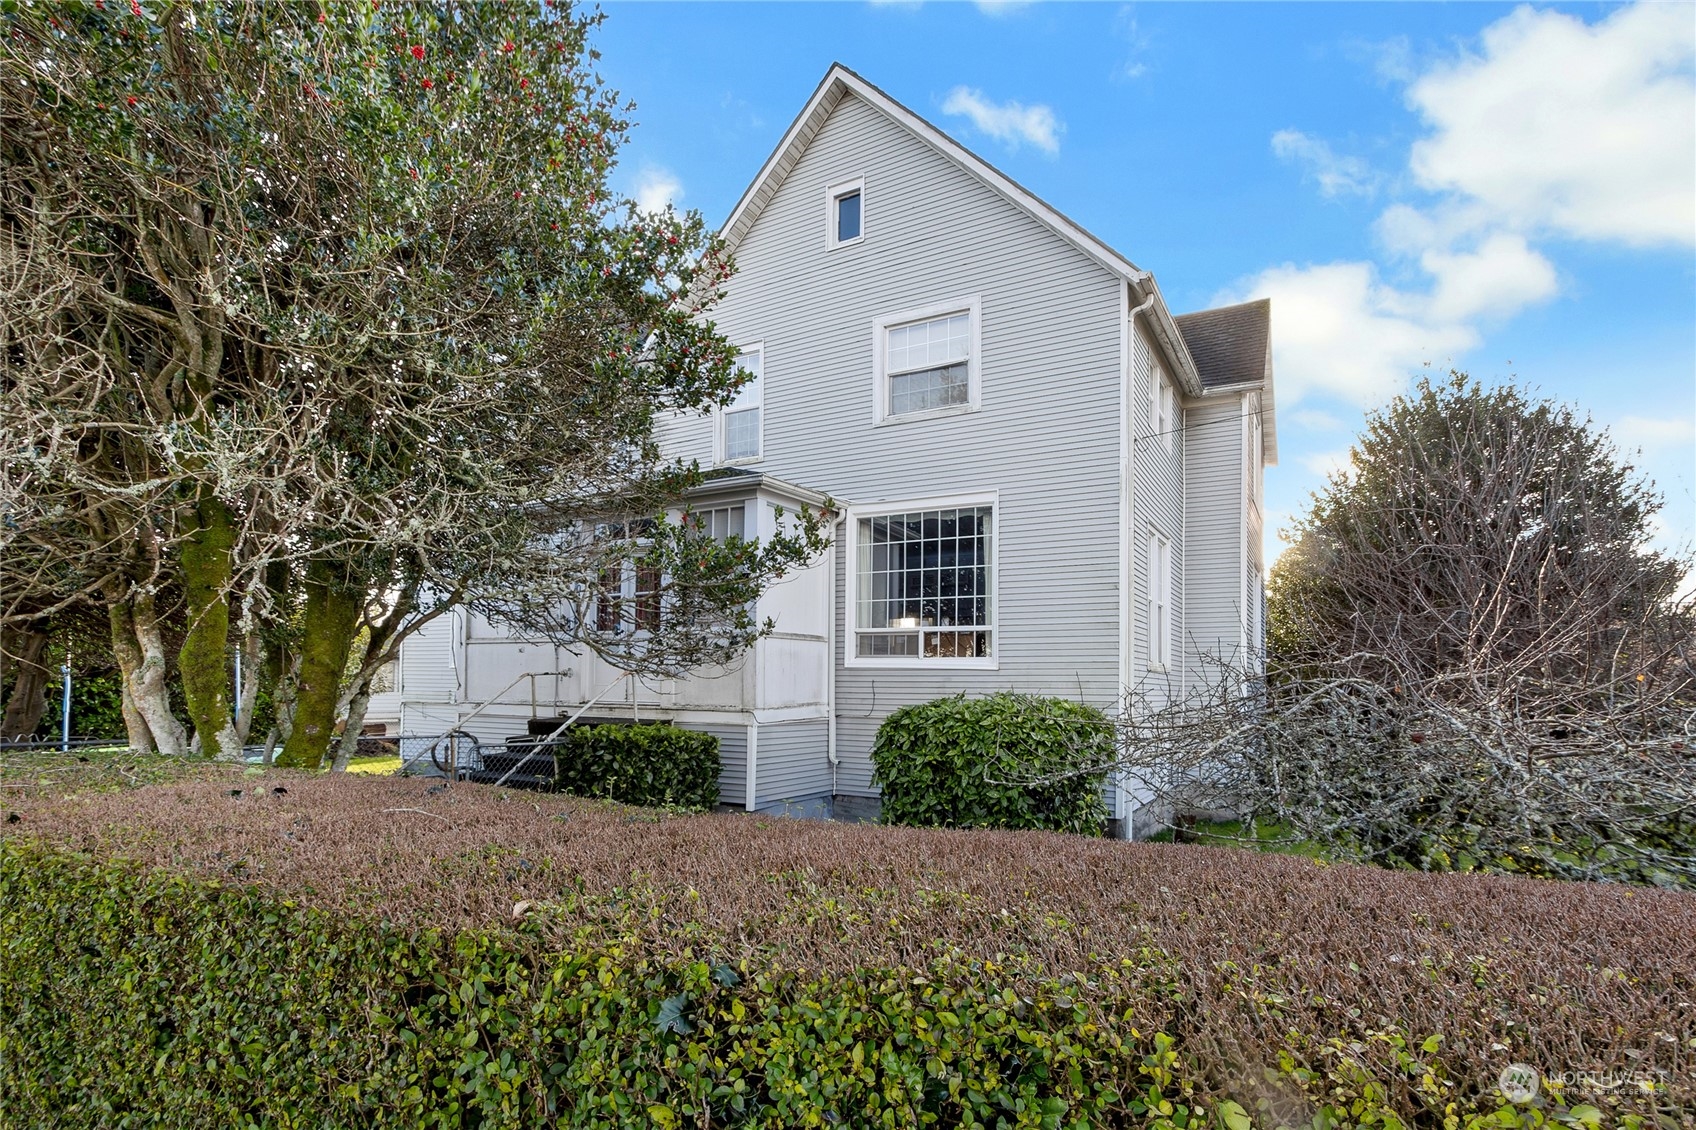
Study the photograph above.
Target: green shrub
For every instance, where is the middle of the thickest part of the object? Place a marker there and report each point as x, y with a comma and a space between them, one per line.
962, 763
136, 999
646, 765
144, 999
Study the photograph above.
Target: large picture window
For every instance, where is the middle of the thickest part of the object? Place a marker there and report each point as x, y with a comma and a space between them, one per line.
927, 362
925, 585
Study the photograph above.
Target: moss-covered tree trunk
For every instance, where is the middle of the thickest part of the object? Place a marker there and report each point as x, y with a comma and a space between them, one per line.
205, 557
330, 620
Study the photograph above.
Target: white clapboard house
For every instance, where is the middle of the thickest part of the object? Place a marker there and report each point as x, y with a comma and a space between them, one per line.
1045, 481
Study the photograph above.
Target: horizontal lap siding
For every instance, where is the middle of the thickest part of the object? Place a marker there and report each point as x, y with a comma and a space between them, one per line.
794, 762
1216, 520
733, 762
1046, 439
685, 436
1047, 436
427, 662
1157, 501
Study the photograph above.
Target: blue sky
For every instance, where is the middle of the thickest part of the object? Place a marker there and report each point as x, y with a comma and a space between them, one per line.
1506, 190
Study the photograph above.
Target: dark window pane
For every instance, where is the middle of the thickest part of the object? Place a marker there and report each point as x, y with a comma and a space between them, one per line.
847, 217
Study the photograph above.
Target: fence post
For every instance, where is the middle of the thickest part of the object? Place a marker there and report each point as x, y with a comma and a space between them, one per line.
65, 710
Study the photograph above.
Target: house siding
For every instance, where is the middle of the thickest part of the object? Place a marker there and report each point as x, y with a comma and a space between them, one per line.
1158, 489
733, 761
1046, 439
1218, 565
794, 762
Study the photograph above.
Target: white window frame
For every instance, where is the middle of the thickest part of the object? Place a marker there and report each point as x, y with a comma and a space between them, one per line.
832, 194
1163, 407
1159, 601
971, 305
721, 415
850, 644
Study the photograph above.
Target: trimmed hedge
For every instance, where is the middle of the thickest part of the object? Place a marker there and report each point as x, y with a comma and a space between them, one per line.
136, 999
961, 763
651, 765
141, 999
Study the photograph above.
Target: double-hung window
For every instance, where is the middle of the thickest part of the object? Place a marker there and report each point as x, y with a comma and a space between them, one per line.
1159, 601
628, 593
739, 421
1163, 408
924, 584
926, 362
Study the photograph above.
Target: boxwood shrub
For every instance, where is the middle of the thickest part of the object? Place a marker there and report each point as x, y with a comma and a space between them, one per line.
645, 765
963, 763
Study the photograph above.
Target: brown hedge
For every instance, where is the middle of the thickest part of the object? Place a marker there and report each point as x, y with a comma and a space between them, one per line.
1267, 956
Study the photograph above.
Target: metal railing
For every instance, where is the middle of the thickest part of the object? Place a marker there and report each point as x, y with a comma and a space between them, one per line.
552, 739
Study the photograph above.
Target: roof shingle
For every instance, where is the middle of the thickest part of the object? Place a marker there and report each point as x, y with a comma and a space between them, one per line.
1229, 343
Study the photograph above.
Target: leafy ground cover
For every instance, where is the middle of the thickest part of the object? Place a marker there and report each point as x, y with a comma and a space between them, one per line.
1294, 991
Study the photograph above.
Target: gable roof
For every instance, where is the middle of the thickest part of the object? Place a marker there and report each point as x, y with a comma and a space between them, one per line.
1229, 342
1232, 347
840, 82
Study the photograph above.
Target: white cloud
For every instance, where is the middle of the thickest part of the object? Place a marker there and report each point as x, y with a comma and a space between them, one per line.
1588, 130
1497, 278
1008, 122
1002, 7
1342, 331
1327, 463
1312, 419
1554, 127
1126, 27
1651, 436
1337, 175
657, 189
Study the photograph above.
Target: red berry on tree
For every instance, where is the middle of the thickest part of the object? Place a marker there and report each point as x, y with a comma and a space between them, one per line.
132, 100
135, 6
417, 50
507, 46
427, 84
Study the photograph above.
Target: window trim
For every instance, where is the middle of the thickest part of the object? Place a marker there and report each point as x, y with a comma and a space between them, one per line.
722, 413
1163, 407
832, 194
971, 305
1159, 547
854, 515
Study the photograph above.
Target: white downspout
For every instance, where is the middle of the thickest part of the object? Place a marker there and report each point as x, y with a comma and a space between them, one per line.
830, 669
1127, 511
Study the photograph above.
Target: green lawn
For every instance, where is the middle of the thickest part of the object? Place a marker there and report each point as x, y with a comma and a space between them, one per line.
1232, 833
381, 765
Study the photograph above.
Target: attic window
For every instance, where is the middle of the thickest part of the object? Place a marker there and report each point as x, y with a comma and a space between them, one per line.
845, 212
